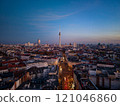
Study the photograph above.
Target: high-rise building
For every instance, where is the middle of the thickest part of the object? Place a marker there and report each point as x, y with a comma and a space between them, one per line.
59, 38
74, 45
38, 41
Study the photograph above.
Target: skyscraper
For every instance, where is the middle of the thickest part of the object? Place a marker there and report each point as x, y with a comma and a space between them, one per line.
59, 38
38, 41
74, 45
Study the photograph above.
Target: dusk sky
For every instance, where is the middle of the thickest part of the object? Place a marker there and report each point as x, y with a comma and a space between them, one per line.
80, 21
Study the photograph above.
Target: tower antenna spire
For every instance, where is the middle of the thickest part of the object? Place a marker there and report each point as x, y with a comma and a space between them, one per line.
59, 29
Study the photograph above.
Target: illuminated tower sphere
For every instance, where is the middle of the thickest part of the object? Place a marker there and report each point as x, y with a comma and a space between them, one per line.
59, 39
39, 41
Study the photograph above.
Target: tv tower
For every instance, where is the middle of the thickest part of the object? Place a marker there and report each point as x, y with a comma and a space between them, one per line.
59, 37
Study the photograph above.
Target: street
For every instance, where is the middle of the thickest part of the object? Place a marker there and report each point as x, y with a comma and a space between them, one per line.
65, 76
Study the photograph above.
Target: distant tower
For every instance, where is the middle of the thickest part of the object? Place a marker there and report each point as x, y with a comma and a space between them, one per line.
38, 41
59, 38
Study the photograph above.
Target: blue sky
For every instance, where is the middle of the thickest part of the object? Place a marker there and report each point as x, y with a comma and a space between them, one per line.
80, 21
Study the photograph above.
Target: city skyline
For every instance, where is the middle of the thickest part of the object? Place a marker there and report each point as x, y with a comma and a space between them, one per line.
81, 21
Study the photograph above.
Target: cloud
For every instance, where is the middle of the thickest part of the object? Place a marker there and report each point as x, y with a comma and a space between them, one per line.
51, 16
43, 19
40, 21
71, 9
